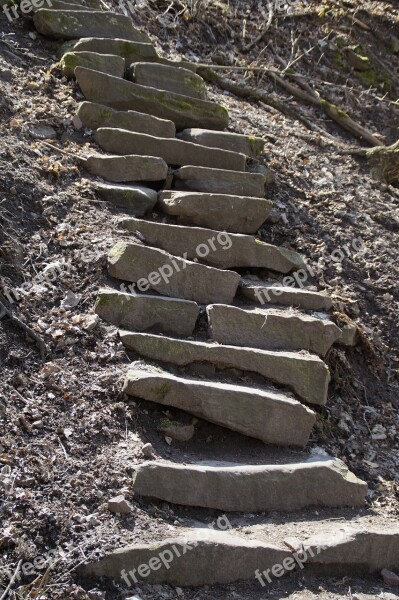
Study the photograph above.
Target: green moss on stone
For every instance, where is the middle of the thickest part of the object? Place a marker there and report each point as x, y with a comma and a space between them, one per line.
163, 389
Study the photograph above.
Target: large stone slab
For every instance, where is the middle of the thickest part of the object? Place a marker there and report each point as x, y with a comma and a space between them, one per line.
125, 95
217, 248
126, 168
240, 214
250, 145
173, 151
106, 63
142, 312
218, 181
196, 558
94, 116
354, 551
285, 295
135, 199
251, 488
68, 24
169, 275
271, 329
172, 79
265, 414
130, 51
305, 374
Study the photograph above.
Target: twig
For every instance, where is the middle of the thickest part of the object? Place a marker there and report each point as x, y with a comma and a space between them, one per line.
13, 578
28, 330
260, 37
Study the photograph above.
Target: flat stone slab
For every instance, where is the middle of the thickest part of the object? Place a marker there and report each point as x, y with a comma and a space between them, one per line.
249, 145
125, 95
271, 329
130, 51
217, 248
305, 374
285, 295
268, 415
106, 63
172, 79
94, 116
135, 199
126, 168
173, 151
256, 488
219, 181
197, 557
240, 214
169, 275
355, 551
142, 312
69, 25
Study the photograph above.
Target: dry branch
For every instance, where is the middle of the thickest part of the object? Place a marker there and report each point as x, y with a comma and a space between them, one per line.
383, 160
28, 330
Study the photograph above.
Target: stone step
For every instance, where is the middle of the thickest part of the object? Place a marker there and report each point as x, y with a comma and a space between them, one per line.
238, 214
173, 151
305, 374
249, 145
196, 557
171, 79
265, 414
317, 482
94, 116
217, 248
142, 312
125, 95
271, 329
218, 181
170, 275
121, 169
208, 556
286, 295
134, 199
106, 63
130, 51
68, 24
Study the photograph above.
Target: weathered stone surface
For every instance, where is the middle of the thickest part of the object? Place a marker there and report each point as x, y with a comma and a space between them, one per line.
177, 431
262, 413
249, 145
251, 488
141, 313
285, 295
305, 374
130, 51
172, 79
173, 151
135, 199
119, 505
271, 329
353, 551
240, 214
217, 248
125, 95
69, 25
218, 181
349, 335
106, 63
170, 275
198, 557
94, 116
126, 168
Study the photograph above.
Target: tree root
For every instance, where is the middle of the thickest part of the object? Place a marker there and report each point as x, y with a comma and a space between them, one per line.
383, 160
44, 351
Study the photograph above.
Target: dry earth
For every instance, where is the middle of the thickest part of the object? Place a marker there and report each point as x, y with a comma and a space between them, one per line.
67, 438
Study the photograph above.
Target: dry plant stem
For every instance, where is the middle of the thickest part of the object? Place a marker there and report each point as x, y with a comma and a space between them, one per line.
44, 351
13, 578
337, 115
260, 37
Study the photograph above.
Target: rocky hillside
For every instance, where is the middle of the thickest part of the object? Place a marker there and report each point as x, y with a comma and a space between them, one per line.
199, 300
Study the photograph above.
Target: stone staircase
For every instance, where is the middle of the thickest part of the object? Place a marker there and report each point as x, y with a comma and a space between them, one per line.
167, 152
